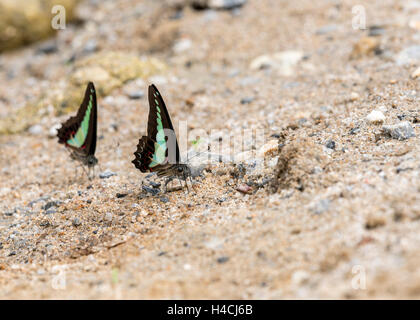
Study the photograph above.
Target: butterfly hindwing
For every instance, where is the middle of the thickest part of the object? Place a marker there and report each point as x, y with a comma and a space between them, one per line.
79, 132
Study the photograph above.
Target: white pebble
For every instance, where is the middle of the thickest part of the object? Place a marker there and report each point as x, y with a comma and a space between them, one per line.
375, 116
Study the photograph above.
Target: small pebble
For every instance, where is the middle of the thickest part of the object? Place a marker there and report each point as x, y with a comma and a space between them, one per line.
50, 211
50, 204
375, 117
400, 131
76, 222
416, 73
135, 95
244, 188
108, 216
354, 96
164, 199
107, 174
321, 206
225, 4
152, 191
155, 184
247, 100
35, 129
222, 259
48, 47
330, 144
121, 195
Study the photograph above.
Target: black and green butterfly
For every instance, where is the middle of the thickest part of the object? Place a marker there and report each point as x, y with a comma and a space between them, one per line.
79, 132
158, 151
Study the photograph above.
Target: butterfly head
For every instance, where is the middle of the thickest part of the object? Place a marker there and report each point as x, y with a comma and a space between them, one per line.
183, 170
91, 161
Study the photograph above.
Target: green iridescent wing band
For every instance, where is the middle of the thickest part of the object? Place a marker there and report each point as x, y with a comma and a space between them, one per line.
158, 127
78, 140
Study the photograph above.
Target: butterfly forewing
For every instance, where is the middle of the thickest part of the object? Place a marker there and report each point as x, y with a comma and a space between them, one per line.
160, 145
79, 132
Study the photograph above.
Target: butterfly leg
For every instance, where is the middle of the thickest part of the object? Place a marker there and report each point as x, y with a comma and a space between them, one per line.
169, 179
192, 184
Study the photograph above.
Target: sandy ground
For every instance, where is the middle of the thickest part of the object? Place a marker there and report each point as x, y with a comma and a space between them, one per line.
322, 220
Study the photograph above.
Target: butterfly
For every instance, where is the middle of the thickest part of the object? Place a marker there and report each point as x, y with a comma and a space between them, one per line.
158, 151
79, 132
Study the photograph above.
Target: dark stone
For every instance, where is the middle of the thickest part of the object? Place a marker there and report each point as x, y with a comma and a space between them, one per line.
107, 174
76, 222
10, 213
121, 195
135, 95
354, 130
164, 199
50, 211
150, 190
48, 47
247, 100
330, 144
51, 204
155, 184
222, 259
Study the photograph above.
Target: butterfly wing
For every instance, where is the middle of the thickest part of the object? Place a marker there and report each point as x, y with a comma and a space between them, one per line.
160, 144
79, 132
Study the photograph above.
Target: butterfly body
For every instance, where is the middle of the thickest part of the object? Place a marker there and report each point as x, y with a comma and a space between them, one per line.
78, 133
158, 151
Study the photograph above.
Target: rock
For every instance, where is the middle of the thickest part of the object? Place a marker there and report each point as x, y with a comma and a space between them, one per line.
152, 191
247, 100
416, 73
326, 29
164, 199
21, 24
375, 117
223, 259
375, 31
135, 95
108, 216
300, 277
321, 206
51, 211
121, 195
244, 188
9, 213
182, 45
330, 144
217, 4
408, 55
400, 131
48, 47
365, 46
284, 62
354, 96
107, 174
35, 130
51, 204
76, 222
270, 148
